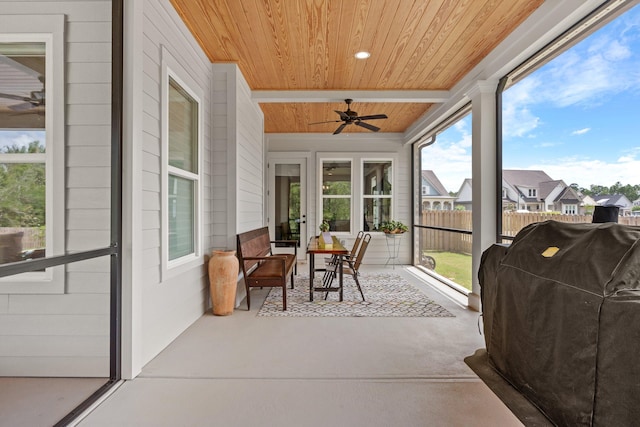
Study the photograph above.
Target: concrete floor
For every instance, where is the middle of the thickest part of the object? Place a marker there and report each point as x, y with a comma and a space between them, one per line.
244, 370
42, 402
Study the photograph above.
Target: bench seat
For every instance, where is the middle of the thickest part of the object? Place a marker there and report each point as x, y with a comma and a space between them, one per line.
261, 267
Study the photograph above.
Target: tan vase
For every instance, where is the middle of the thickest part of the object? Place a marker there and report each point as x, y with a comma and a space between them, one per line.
223, 280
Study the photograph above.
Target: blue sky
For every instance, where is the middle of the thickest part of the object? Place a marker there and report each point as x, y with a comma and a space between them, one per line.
21, 138
577, 117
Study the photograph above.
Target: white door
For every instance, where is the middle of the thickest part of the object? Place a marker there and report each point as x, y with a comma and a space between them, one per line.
287, 201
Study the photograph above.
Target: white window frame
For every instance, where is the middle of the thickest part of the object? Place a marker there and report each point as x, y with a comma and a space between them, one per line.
321, 195
357, 161
171, 68
367, 159
570, 209
50, 32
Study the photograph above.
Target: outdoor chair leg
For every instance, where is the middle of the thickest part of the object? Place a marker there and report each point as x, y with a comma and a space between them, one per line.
355, 276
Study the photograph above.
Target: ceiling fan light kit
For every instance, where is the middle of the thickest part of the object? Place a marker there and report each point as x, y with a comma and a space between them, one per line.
351, 117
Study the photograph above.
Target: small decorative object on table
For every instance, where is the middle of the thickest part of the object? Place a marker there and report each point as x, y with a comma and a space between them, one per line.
223, 275
393, 230
325, 237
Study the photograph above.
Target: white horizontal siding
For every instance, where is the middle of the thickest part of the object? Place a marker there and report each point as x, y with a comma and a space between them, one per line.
170, 305
250, 161
55, 345
89, 52
88, 283
91, 177
90, 219
45, 325
59, 304
88, 135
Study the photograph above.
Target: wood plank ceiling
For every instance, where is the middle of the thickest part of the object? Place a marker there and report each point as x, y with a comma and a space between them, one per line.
309, 45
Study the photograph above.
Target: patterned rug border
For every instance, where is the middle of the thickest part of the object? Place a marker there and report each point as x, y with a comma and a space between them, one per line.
387, 295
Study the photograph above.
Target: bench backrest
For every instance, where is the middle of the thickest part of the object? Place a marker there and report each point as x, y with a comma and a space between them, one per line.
254, 243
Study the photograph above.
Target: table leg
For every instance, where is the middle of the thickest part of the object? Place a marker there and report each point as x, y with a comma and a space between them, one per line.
311, 271
341, 261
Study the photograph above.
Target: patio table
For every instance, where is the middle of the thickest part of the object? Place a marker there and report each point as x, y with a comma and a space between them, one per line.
315, 247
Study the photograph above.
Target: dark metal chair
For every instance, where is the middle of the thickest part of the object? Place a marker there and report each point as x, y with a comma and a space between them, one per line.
331, 261
351, 265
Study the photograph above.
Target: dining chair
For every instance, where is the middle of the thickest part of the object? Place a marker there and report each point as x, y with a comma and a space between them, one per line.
351, 265
331, 261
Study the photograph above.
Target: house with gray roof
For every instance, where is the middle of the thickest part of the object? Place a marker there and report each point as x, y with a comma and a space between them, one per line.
619, 200
535, 191
434, 195
464, 195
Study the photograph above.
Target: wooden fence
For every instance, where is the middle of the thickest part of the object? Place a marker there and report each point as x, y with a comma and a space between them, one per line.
33, 238
512, 222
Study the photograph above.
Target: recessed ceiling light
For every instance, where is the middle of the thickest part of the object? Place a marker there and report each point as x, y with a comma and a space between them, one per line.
363, 55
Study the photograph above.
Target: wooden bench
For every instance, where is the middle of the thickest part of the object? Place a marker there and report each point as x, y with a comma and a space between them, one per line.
260, 266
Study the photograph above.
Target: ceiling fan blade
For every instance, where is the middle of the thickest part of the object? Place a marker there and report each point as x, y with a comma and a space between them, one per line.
342, 126
367, 126
22, 106
373, 117
16, 97
329, 121
342, 114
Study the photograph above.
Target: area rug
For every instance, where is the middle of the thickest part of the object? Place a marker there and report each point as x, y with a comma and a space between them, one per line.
386, 294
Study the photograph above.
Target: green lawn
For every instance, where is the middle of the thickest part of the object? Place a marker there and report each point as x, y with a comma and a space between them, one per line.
453, 266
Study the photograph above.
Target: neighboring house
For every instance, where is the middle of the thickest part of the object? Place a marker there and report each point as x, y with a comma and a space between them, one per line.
434, 195
464, 195
535, 191
619, 200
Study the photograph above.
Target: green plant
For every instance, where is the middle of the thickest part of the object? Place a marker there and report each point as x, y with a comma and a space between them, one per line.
324, 226
393, 227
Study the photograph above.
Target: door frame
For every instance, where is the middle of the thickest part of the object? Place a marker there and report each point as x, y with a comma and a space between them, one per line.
292, 158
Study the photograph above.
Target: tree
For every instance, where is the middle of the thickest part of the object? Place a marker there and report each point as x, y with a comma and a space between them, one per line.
22, 189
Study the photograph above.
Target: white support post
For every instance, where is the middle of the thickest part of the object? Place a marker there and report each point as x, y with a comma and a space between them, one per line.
484, 193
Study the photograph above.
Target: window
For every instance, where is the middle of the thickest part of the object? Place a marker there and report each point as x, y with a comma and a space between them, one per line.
23, 188
532, 192
336, 194
183, 171
181, 168
377, 191
357, 190
443, 224
570, 209
32, 156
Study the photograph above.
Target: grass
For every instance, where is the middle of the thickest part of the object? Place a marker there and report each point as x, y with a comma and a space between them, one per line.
455, 267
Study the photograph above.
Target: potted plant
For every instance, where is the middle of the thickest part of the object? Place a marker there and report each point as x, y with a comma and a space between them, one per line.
393, 227
324, 226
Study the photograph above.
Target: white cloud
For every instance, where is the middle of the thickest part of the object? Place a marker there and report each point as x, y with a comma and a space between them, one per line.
580, 131
20, 138
585, 76
586, 172
450, 156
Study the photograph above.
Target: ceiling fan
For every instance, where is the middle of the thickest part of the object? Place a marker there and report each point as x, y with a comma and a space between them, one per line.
35, 100
349, 117
28, 70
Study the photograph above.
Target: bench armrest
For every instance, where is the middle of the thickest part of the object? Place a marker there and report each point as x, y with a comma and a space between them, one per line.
288, 243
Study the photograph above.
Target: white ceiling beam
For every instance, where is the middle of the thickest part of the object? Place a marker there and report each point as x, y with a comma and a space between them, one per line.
421, 96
